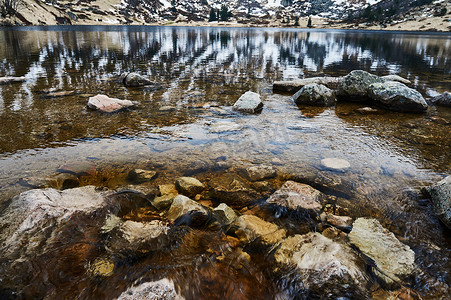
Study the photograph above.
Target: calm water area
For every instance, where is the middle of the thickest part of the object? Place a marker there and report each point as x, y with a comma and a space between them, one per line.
184, 125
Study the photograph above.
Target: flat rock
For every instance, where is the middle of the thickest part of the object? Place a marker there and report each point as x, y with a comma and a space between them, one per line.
134, 80
442, 100
295, 85
315, 95
162, 289
250, 228
354, 86
391, 257
107, 104
396, 78
224, 126
182, 205
249, 102
397, 96
189, 186
335, 164
260, 172
339, 221
6, 80
322, 258
440, 194
293, 195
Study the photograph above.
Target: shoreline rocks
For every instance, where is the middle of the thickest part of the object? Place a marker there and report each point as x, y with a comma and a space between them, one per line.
249, 102
106, 104
315, 95
440, 194
250, 228
134, 80
354, 86
295, 196
295, 85
397, 97
442, 100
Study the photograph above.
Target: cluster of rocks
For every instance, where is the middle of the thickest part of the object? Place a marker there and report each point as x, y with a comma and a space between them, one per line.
390, 92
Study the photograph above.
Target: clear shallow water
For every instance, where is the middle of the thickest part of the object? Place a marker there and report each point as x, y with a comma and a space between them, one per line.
200, 73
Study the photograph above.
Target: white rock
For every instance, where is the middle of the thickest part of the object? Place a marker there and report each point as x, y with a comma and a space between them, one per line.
107, 104
336, 164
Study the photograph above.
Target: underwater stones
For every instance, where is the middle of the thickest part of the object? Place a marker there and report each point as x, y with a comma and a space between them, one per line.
189, 186
141, 175
6, 80
313, 253
260, 172
167, 194
249, 102
396, 78
249, 228
440, 194
101, 266
224, 126
354, 86
182, 205
367, 111
293, 195
106, 104
442, 100
78, 168
295, 85
162, 289
335, 164
339, 221
397, 96
224, 214
131, 237
392, 258
134, 80
316, 95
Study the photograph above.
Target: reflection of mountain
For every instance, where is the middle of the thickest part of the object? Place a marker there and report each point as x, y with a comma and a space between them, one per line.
219, 63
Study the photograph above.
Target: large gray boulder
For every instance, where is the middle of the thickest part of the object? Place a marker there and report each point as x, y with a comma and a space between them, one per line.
392, 258
397, 96
107, 104
440, 194
249, 102
295, 196
316, 95
442, 100
354, 86
134, 80
295, 85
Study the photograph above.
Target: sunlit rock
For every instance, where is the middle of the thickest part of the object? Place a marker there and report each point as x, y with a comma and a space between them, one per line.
189, 186
107, 104
249, 102
440, 194
442, 100
6, 80
134, 80
293, 195
339, 221
101, 266
224, 214
182, 205
260, 172
397, 96
396, 78
316, 95
295, 85
141, 175
335, 164
162, 289
167, 194
249, 228
354, 86
392, 258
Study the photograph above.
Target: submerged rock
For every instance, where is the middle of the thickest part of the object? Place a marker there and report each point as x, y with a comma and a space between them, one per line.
107, 104
442, 100
392, 258
293, 195
440, 194
335, 164
167, 194
316, 95
260, 172
141, 175
339, 221
397, 96
134, 80
249, 228
224, 126
249, 102
367, 111
182, 205
396, 78
189, 186
162, 289
354, 86
224, 214
295, 85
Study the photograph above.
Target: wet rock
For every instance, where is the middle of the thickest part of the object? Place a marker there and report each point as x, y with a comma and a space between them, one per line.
293, 195
131, 237
167, 194
249, 228
6, 80
59, 94
339, 221
61, 182
134, 80
335, 164
354, 86
197, 166
182, 205
397, 96
260, 172
224, 214
367, 111
442, 100
249, 102
319, 259
392, 258
295, 85
232, 190
25, 222
189, 186
141, 175
316, 95
78, 168
107, 104
162, 289
396, 78
167, 108
439, 120
101, 266
224, 126
440, 194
